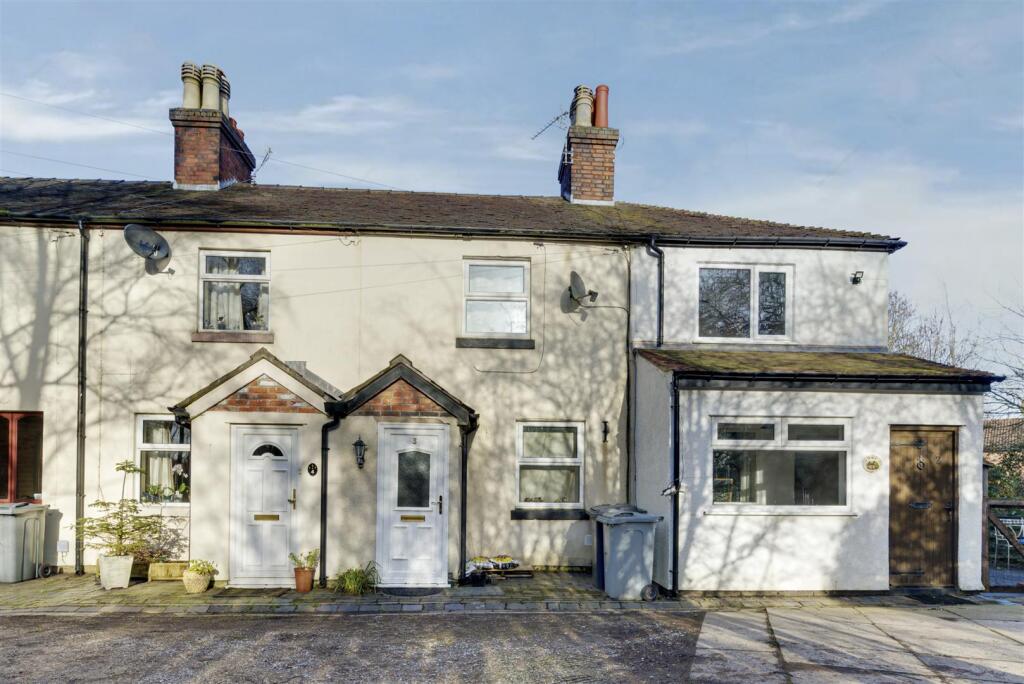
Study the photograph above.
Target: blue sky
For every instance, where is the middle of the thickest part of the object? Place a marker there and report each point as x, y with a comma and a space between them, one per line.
901, 118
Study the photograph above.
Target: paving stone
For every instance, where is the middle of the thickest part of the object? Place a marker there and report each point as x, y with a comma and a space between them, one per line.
977, 669
412, 608
454, 607
746, 631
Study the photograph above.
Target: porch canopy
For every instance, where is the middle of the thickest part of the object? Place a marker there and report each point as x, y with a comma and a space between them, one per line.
817, 370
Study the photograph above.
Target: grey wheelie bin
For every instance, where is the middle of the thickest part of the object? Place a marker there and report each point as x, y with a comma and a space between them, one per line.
22, 528
624, 551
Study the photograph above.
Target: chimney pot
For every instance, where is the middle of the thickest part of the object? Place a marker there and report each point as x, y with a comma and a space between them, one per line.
190, 81
601, 107
211, 87
225, 93
582, 110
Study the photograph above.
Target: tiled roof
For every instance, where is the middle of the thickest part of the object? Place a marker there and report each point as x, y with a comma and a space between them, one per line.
381, 211
867, 366
1003, 435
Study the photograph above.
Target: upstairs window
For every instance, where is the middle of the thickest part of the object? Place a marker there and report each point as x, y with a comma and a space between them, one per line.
496, 298
21, 456
164, 453
549, 470
745, 302
234, 291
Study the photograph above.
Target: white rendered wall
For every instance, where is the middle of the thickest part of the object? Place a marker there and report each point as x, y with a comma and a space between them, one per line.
828, 310
821, 551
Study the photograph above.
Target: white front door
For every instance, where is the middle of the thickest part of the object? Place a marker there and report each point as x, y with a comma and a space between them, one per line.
412, 505
262, 503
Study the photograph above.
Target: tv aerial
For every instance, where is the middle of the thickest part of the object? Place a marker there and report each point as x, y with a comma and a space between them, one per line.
150, 245
578, 290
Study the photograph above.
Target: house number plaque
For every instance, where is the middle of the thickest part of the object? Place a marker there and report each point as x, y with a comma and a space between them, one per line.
872, 464
312, 469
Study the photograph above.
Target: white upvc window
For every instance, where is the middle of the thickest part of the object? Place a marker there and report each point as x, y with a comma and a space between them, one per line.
234, 291
744, 302
549, 464
163, 452
780, 464
496, 298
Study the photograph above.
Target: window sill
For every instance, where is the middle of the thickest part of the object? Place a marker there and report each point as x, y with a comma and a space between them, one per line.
168, 509
549, 514
232, 336
494, 343
788, 511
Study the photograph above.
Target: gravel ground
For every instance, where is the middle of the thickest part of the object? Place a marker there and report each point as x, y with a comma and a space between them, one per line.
571, 647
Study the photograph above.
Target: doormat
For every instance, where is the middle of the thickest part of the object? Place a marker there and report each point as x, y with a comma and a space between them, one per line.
252, 593
938, 598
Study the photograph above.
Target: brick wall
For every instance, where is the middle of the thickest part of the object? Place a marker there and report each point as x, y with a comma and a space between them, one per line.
400, 399
265, 394
591, 173
208, 151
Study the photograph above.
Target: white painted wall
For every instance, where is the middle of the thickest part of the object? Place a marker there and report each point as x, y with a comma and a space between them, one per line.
346, 307
828, 309
811, 552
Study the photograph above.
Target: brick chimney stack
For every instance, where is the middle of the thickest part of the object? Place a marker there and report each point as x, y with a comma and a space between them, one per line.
587, 171
209, 149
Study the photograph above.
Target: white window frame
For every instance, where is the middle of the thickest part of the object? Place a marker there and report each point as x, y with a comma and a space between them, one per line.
755, 270
227, 278
141, 446
780, 443
578, 462
468, 295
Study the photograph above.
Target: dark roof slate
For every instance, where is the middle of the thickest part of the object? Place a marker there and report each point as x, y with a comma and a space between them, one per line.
268, 206
809, 365
1004, 435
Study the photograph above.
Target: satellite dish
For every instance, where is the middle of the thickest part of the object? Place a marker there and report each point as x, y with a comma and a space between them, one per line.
150, 245
578, 291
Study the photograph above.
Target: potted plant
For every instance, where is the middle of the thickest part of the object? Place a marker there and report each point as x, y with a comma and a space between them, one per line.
120, 533
305, 566
198, 575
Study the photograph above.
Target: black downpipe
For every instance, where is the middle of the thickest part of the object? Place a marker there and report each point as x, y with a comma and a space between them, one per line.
466, 434
657, 252
326, 429
83, 319
675, 484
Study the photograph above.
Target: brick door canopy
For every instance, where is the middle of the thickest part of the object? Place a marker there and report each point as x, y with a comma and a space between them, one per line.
400, 399
264, 394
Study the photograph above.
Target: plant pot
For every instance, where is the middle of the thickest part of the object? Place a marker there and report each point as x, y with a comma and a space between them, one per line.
115, 571
303, 580
194, 582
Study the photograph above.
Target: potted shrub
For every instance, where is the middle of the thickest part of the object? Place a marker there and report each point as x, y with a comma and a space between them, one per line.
198, 575
120, 533
305, 566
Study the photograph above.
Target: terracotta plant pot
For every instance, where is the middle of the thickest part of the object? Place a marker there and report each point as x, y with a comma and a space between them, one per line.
194, 582
115, 571
303, 580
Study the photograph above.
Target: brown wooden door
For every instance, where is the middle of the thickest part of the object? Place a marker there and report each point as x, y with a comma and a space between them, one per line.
922, 507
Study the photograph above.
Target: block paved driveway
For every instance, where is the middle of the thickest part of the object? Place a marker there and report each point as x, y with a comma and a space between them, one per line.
867, 644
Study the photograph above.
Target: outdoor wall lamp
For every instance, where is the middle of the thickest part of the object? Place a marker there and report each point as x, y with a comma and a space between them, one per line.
856, 277
359, 447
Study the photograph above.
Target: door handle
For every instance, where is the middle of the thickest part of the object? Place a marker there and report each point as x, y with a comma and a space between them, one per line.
921, 505
292, 500
440, 505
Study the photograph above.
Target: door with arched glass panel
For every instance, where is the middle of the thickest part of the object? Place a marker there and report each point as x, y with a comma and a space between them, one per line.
263, 500
412, 505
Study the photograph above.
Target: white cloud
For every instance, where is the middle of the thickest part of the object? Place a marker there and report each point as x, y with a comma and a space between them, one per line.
344, 115
31, 122
696, 39
1010, 122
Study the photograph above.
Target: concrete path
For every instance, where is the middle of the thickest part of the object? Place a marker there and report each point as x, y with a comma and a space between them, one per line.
983, 643
955, 643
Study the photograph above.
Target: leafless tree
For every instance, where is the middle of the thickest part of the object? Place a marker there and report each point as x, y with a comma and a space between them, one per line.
934, 335
1007, 351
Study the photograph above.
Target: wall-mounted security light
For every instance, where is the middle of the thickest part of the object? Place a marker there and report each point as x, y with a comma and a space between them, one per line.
856, 277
